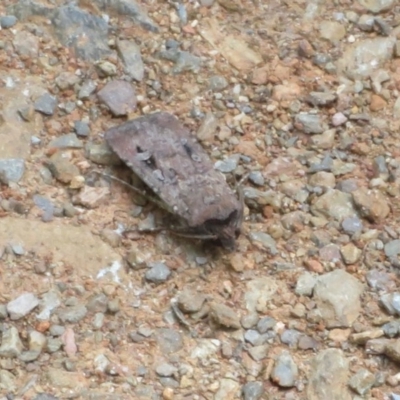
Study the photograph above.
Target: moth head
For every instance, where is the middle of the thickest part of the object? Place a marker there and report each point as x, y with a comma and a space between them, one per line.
226, 231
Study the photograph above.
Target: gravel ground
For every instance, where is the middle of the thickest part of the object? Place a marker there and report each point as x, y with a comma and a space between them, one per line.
303, 96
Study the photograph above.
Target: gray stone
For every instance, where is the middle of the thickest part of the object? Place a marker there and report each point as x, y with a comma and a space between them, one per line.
11, 170
377, 6
22, 305
362, 381
392, 248
285, 371
11, 345
82, 128
45, 104
252, 390
391, 302
217, 83
129, 53
227, 165
72, 314
158, 272
168, 340
69, 140
119, 97
305, 284
265, 324
310, 123
166, 370
225, 316
264, 240
82, 31
352, 225
183, 60
256, 178
328, 376
87, 89
8, 21
337, 295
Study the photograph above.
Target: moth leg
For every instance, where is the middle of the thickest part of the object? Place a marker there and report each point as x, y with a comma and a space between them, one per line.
143, 193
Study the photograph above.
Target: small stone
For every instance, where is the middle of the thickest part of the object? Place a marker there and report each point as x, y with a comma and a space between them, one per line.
377, 103
8, 21
252, 390
337, 295
166, 370
11, 345
309, 123
392, 248
338, 119
371, 203
111, 237
101, 154
258, 353
72, 314
377, 6
106, 68
265, 324
22, 305
350, 253
190, 301
225, 316
257, 178
169, 340
321, 98
37, 341
45, 104
61, 167
158, 272
217, 83
264, 241
352, 225
305, 284
129, 53
11, 170
392, 350
285, 371
227, 389
391, 302
208, 127
82, 128
92, 197
119, 97
87, 89
227, 165
66, 141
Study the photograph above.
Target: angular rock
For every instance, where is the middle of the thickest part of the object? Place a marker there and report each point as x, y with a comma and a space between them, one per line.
337, 295
11, 169
371, 203
22, 305
11, 345
285, 371
129, 53
119, 97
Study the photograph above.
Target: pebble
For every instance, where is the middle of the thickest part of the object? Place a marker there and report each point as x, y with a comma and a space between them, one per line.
329, 376
87, 89
257, 178
190, 301
350, 253
265, 324
129, 53
392, 248
227, 389
377, 6
265, 241
62, 168
391, 302
337, 296
8, 21
72, 314
22, 305
290, 337
169, 340
252, 390
372, 204
101, 154
225, 316
305, 284
92, 197
227, 165
285, 371
119, 97
309, 123
11, 344
208, 127
352, 225
66, 141
166, 370
217, 83
11, 170
158, 272
45, 104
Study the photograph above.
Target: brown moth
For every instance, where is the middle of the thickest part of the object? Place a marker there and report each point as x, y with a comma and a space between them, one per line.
163, 153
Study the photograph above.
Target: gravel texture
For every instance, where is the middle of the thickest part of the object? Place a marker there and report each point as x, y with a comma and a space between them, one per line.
298, 103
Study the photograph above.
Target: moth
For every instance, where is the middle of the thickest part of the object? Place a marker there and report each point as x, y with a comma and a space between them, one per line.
168, 159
